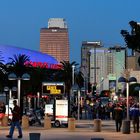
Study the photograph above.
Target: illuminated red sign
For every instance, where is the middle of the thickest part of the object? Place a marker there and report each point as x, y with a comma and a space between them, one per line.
44, 65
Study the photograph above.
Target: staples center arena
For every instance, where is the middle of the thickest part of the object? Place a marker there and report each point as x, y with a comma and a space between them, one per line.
37, 59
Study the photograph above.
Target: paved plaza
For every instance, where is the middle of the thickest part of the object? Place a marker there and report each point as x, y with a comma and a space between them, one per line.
84, 131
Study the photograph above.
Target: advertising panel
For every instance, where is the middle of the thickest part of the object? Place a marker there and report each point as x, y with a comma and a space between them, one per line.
61, 111
53, 88
112, 85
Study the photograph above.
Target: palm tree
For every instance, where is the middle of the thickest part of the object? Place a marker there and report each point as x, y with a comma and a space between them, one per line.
17, 64
79, 78
2, 73
66, 76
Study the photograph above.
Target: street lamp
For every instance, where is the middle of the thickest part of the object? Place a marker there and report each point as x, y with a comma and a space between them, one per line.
73, 67
7, 89
13, 76
127, 81
75, 87
138, 89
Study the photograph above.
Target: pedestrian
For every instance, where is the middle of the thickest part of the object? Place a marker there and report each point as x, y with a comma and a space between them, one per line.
135, 117
16, 117
118, 116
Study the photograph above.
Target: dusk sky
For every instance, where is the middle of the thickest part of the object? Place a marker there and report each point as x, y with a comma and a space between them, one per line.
87, 20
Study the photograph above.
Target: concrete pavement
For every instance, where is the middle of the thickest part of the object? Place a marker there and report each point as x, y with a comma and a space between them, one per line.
83, 131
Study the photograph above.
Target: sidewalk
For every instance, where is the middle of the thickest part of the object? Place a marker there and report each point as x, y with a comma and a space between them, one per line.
108, 133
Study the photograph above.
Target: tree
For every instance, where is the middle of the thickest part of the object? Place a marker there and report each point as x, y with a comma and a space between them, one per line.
79, 78
66, 76
17, 65
132, 39
2, 73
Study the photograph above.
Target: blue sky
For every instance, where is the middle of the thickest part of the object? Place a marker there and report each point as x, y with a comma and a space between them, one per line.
91, 20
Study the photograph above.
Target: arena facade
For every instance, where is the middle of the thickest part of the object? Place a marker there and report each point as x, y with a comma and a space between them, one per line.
37, 59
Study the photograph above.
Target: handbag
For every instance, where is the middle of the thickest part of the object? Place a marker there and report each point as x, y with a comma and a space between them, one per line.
2, 115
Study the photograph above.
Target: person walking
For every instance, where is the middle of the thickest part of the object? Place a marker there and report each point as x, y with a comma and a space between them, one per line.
118, 116
135, 117
16, 117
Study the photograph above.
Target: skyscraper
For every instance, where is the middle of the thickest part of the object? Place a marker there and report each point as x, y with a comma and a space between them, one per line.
85, 56
104, 65
54, 40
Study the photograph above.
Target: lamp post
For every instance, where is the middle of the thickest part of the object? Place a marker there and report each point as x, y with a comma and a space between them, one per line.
138, 89
75, 87
73, 67
13, 76
7, 89
126, 124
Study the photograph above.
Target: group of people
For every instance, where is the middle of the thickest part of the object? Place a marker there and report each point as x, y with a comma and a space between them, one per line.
118, 116
117, 112
134, 115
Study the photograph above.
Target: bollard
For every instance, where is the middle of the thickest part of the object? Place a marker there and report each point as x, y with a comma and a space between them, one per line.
25, 122
4, 121
97, 125
34, 136
126, 127
47, 122
71, 124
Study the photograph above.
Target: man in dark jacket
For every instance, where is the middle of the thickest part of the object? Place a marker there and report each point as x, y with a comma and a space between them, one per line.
118, 116
15, 120
135, 117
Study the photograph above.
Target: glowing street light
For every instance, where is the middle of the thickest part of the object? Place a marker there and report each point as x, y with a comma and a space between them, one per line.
127, 81
13, 76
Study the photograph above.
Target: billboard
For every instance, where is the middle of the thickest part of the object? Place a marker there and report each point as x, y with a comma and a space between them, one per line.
53, 88
112, 85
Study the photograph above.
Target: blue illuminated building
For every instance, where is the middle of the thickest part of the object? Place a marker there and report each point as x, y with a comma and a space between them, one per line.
7, 51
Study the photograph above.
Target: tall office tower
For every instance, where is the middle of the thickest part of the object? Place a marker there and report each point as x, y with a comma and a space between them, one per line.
54, 40
100, 59
105, 65
85, 56
116, 60
116, 65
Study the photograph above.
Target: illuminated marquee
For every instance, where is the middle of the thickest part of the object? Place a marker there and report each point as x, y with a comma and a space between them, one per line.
53, 88
44, 65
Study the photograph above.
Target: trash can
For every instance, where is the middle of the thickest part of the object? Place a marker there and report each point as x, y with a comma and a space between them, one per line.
126, 127
47, 122
4, 121
34, 136
25, 122
71, 124
97, 125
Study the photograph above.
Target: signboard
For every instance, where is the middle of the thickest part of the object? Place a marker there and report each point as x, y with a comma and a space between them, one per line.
53, 88
49, 109
61, 113
112, 85
112, 77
